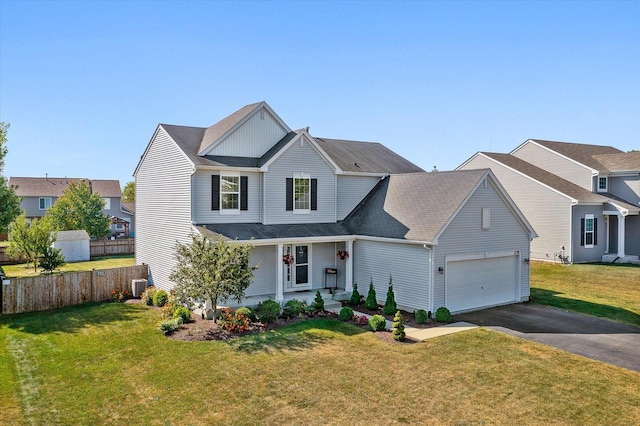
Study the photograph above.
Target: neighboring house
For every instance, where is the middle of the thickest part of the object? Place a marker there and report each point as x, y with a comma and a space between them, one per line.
39, 194
451, 239
583, 200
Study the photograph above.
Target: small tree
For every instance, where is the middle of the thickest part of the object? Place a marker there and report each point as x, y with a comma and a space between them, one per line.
371, 302
129, 193
398, 327
9, 200
211, 271
390, 304
318, 303
52, 258
355, 296
30, 240
80, 208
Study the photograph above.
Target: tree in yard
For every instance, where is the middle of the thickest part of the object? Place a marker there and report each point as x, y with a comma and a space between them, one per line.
79, 208
30, 240
52, 259
129, 193
9, 200
211, 271
371, 303
390, 303
398, 327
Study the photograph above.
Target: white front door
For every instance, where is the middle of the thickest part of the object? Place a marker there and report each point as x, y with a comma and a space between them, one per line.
298, 274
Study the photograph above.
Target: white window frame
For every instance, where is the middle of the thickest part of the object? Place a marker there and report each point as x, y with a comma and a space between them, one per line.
107, 203
307, 177
606, 184
226, 210
587, 218
119, 227
45, 199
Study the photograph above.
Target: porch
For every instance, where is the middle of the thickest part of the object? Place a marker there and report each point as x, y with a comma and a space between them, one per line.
622, 231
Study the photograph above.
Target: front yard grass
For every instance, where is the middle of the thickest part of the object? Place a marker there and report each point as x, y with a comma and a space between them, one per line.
107, 364
609, 291
106, 262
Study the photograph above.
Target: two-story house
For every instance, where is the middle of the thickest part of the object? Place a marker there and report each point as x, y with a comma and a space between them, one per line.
451, 239
583, 200
39, 194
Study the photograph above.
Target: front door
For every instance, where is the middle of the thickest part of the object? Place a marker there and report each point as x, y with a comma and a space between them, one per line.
302, 266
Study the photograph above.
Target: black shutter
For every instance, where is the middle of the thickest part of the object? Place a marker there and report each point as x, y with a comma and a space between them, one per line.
289, 191
215, 192
581, 232
244, 196
314, 194
595, 231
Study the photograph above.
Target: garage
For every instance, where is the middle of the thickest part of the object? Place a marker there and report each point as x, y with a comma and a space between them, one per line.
479, 281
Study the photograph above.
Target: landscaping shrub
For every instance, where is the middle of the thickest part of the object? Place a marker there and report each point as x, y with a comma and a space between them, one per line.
268, 311
377, 322
346, 313
147, 295
371, 302
443, 314
360, 319
421, 316
398, 327
318, 302
120, 295
169, 307
183, 313
390, 304
169, 325
234, 321
292, 308
355, 296
246, 311
160, 297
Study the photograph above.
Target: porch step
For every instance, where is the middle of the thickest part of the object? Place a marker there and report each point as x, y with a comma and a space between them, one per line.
332, 306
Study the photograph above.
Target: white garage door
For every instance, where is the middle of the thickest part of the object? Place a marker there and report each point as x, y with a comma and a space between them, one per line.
478, 283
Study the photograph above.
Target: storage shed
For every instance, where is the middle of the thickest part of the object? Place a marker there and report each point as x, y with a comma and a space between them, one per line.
74, 245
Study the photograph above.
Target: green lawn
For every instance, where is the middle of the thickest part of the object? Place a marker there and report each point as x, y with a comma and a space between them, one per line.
601, 290
107, 364
107, 262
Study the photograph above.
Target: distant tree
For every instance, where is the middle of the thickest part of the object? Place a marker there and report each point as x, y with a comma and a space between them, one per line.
129, 193
211, 271
52, 258
635, 150
78, 208
9, 200
30, 240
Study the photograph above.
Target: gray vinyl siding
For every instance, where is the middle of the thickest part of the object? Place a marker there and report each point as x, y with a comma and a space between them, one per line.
581, 254
351, 190
302, 159
626, 187
554, 163
632, 233
408, 265
264, 282
31, 206
464, 235
324, 256
163, 207
548, 212
202, 199
253, 138
116, 210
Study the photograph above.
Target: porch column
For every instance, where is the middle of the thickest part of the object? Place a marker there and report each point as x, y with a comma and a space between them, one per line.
279, 275
348, 273
621, 236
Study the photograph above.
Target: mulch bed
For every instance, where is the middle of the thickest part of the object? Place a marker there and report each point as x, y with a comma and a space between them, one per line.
409, 318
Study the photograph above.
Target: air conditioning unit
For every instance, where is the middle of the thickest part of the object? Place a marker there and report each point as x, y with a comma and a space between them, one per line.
138, 286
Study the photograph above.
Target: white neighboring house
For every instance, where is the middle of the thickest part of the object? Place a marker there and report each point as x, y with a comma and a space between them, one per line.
452, 239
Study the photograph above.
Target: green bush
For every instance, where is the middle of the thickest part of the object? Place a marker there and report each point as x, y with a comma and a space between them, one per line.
398, 327
292, 308
421, 316
346, 314
236, 322
160, 297
355, 296
147, 295
183, 313
377, 322
371, 302
52, 258
390, 304
170, 325
247, 312
443, 314
268, 311
318, 302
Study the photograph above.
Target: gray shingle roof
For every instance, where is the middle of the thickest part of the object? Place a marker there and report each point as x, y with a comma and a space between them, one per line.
258, 231
54, 187
213, 133
547, 178
582, 153
622, 162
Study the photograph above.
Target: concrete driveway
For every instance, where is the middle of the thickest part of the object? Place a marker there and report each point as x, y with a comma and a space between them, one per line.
595, 338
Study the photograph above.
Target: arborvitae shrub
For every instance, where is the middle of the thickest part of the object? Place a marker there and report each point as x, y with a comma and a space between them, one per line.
390, 304
160, 297
292, 308
443, 314
421, 316
377, 322
355, 296
398, 327
346, 314
371, 302
318, 302
268, 311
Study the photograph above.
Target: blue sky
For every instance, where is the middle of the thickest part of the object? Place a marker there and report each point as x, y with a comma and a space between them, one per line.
84, 84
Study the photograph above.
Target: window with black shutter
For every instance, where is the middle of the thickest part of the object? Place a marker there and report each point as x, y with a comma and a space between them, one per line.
215, 192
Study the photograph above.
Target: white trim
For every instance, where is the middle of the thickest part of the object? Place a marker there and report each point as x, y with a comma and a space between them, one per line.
294, 276
300, 175
45, 203
222, 210
606, 186
592, 232
482, 255
392, 240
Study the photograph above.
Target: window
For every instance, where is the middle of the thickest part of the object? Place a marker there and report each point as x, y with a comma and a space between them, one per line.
589, 228
119, 227
45, 203
230, 192
301, 193
602, 183
107, 203
486, 218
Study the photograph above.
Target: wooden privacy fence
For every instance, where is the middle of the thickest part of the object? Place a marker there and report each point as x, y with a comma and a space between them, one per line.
57, 291
98, 248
